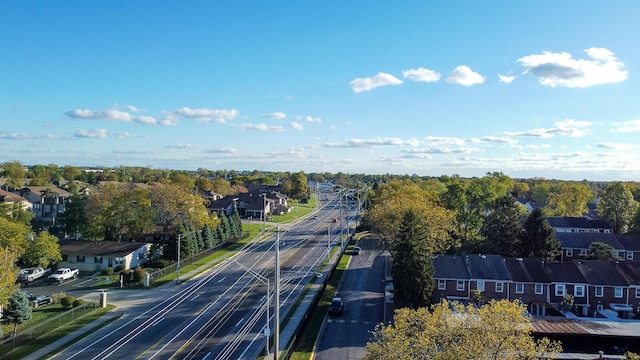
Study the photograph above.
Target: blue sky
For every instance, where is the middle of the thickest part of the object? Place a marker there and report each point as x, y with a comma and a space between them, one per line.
529, 88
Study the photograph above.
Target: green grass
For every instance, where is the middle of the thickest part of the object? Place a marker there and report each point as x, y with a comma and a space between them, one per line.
304, 347
51, 336
38, 315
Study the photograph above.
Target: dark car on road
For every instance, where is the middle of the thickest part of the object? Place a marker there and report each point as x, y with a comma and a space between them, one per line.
336, 307
355, 251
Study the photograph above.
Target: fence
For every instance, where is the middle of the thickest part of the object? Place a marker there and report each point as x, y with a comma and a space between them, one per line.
46, 326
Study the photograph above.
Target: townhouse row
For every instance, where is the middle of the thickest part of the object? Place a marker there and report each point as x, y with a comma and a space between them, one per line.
599, 288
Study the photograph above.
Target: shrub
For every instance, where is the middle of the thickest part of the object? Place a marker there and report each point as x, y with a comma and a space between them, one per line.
107, 271
119, 268
160, 263
78, 302
67, 301
138, 275
58, 296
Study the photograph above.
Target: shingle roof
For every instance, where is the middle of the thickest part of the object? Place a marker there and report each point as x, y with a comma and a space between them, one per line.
629, 242
583, 240
528, 270
577, 222
488, 267
98, 248
10, 197
450, 267
564, 273
630, 270
601, 273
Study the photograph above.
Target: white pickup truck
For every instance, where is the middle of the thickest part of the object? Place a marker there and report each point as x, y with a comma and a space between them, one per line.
63, 274
33, 274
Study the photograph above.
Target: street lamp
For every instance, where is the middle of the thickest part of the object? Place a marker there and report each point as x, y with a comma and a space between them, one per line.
178, 264
264, 280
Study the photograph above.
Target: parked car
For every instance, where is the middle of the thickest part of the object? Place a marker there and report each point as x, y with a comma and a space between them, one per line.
336, 307
355, 250
63, 274
33, 274
335, 220
40, 300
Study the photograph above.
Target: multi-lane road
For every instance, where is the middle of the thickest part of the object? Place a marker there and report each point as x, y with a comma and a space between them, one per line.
221, 314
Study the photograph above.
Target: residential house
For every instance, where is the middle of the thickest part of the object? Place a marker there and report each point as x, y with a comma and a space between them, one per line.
48, 202
565, 278
576, 245
451, 277
607, 287
7, 197
529, 284
98, 255
631, 245
579, 225
630, 270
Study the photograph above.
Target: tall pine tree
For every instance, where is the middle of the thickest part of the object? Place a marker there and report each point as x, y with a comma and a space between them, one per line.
503, 228
538, 238
412, 266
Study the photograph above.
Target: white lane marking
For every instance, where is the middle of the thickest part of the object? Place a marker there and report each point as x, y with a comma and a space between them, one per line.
221, 280
240, 322
195, 297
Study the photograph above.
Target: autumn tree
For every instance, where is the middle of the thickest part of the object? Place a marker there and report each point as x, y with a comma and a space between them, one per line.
538, 238
569, 199
502, 227
15, 172
412, 267
8, 274
14, 236
15, 212
618, 207
296, 186
448, 331
74, 219
42, 250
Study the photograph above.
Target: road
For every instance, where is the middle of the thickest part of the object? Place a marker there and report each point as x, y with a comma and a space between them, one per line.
362, 291
221, 314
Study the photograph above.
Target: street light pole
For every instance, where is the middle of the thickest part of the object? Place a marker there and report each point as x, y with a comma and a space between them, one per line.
178, 265
276, 334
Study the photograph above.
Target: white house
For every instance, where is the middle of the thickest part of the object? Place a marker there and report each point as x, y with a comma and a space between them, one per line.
97, 255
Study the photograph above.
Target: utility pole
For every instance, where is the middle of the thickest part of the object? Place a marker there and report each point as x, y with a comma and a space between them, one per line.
276, 333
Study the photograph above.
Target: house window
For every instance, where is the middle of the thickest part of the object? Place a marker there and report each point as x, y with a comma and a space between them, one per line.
460, 285
629, 255
618, 292
583, 252
578, 291
638, 293
80, 258
499, 287
442, 284
560, 289
599, 307
65, 257
619, 254
599, 291
480, 285
569, 252
519, 288
539, 289
97, 260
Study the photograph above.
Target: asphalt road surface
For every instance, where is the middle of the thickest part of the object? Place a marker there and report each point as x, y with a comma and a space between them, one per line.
362, 291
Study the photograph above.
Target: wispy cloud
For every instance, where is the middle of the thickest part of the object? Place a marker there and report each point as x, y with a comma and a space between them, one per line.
463, 75
312, 119
208, 115
113, 114
618, 146
561, 69
442, 140
567, 127
381, 79
224, 150
275, 115
505, 79
296, 125
627, 126
443, 150
380, 141
260, 127
181, 146
96, 133
496, 139
421, 75
14, 136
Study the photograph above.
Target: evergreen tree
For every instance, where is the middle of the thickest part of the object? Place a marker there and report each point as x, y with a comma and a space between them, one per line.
539, 238
236, 225
412, 266
18, 310
502, 228
601, 251
225, 228
188, 244
74, 220
208, 237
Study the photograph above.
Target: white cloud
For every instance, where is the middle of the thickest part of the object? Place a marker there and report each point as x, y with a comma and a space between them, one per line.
97, 133
208, 115
124, 135
13, 136
146, 120
133, 108
618, 146
561, 69
181, 146
296, 125
567, 127
260, 127
505, 79
113, 114
312, 119
497, 139
442, 140
443, 150
537, 147
380, 141
224, 150
463, 75
275, 115
169, 119
381, 79
421, 75
627, 126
